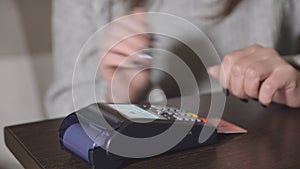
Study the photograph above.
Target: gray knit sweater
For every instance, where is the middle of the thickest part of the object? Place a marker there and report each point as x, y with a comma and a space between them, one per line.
271, 23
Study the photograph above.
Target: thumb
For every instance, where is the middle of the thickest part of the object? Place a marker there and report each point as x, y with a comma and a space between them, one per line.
214, 71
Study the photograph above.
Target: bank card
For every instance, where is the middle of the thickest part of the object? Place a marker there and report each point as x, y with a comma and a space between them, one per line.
225, 127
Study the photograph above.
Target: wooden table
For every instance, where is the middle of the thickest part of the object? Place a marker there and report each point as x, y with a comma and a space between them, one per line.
272, 141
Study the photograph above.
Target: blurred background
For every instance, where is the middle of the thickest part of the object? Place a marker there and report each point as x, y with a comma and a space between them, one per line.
25, 65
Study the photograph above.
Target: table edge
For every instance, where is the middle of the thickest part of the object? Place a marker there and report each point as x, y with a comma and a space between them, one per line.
20, 152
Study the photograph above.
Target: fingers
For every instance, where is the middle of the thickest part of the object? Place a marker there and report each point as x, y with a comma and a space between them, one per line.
113, 61
248, 71
237, 78
254, 75
130, 45
121, 65
282, 78
124, 37
128, 34
256, 72
230, 60
128, 86
108, 65
126, 41
214, 71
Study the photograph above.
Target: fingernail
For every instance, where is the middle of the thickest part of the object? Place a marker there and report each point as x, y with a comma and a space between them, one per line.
264, 106
226, 92
244, 100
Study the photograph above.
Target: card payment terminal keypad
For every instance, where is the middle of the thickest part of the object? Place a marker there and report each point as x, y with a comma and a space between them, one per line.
171, 113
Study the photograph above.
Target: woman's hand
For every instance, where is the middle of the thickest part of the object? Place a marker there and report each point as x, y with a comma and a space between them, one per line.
259, 73
123, 71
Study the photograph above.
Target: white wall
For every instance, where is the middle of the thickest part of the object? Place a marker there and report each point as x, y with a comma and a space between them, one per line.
24, 74
12, 39
18, 101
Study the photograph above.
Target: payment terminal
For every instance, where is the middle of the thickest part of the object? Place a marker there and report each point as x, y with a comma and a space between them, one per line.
91, 132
